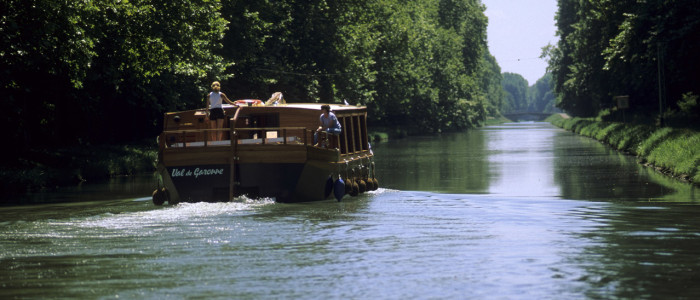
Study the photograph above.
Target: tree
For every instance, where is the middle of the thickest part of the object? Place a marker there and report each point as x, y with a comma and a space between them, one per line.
642, 49
152, 57
540, 95
45, 53
403, 59
658, 41
83, 71
491, 84
516, 92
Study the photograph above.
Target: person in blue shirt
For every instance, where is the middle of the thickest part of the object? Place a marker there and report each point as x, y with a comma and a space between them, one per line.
329, 122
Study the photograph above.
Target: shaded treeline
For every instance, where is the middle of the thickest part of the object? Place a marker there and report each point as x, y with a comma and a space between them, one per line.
86, 72
77, 72
645, 49
523, 98
420, 65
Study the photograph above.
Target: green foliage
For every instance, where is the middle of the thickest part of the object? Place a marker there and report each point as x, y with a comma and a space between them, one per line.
101, 71
86, 72
518, 97
643, 49
417, 64
629, 137
491, 79
516, 92
654, 140
679, 154
540, 96
689, 104
686, 114
605, 130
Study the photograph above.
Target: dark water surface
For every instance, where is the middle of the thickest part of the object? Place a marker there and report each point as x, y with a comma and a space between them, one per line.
518, 211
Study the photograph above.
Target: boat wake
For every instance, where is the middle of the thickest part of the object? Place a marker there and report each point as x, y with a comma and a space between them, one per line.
178, 214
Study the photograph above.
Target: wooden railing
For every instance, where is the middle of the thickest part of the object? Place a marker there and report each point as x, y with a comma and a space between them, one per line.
251, 136
263, 135
200, 137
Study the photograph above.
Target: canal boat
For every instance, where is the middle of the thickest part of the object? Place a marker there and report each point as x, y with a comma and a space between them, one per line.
266, 151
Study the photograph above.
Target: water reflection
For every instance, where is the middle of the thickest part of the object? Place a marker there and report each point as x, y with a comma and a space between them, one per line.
450, 163
641, 252
522, 160
521, 156
587, 169
120, 187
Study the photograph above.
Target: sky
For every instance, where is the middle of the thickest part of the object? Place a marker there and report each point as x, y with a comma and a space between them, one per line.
517, 31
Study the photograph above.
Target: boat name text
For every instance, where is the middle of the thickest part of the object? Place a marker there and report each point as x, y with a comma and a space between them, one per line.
196, 172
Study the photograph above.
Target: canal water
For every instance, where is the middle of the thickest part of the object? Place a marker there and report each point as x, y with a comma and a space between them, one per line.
516, 211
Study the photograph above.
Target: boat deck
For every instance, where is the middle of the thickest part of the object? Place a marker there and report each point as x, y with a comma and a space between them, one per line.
279, 140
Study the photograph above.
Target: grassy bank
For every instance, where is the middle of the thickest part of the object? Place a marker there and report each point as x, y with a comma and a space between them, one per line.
673, 151
41, 169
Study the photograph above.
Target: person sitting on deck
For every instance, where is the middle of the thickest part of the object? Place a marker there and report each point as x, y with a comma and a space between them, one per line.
216, 111
276, 99
329, 123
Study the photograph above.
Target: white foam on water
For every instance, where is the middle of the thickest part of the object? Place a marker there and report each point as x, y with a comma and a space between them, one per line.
174, 214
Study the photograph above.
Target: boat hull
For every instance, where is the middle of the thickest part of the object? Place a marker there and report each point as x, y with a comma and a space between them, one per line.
284, 182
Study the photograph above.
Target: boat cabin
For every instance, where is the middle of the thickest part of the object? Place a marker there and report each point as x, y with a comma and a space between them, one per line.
287, 124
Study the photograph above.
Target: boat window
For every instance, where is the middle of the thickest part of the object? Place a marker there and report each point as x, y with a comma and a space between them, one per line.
343, 135
358, 133
351, 135
363, 132
259, 120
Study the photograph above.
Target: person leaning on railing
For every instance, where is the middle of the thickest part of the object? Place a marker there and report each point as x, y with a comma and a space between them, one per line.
329, 123
216, 111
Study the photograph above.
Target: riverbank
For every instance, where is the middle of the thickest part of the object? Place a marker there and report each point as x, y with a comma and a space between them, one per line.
51, 168
672, 151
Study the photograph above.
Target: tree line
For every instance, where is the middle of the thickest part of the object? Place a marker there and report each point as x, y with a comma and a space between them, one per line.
646, 50
85, 72
523, 98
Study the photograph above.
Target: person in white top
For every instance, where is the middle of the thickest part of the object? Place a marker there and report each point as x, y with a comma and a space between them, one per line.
216, 112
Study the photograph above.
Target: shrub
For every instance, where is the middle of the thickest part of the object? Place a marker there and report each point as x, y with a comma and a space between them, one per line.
656, 137
679, 153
